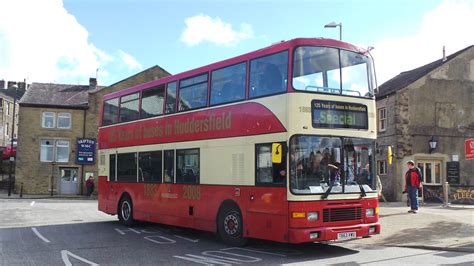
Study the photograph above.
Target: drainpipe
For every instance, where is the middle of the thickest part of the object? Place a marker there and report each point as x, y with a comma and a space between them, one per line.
81, 189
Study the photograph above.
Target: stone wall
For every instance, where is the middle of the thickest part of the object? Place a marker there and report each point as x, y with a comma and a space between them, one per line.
34, 174
439, 104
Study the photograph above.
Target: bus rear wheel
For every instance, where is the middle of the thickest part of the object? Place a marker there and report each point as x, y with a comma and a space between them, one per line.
230, 226
125, 212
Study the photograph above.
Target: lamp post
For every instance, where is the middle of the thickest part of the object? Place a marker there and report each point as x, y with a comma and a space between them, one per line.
11, 143
335, 25
433, 143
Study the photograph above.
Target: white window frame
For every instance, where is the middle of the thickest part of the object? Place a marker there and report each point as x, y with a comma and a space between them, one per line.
41, 148
433, 171
384, 162
382, 120
43, 119
64, 115
55, 145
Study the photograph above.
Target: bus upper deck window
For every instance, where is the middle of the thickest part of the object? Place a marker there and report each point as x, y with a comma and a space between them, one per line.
268, 75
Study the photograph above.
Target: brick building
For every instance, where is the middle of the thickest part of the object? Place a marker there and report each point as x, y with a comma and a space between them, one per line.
51, 119
433, 103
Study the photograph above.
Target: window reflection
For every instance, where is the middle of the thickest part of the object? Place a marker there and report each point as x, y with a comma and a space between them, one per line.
317, 163
228, 84
268, 75
331, 70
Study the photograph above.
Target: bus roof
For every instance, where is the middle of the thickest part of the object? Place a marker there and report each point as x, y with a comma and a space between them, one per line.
283, 45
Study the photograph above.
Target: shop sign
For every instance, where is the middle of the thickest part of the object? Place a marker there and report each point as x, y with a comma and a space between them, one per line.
85, 151
469, 145
453, 172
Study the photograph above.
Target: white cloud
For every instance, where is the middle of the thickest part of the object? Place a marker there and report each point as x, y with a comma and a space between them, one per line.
449, 24
43, 42
202, 28
130, 61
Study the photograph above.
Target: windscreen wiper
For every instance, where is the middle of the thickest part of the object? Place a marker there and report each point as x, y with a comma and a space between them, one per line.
328, 191
362, 191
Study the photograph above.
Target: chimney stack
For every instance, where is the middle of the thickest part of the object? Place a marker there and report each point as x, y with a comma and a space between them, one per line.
444, 53
92, 83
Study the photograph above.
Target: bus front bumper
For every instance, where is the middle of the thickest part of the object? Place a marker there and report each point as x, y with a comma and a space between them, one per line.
317, 234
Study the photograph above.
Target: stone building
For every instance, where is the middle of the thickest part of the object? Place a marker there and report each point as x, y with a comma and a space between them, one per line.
433, 103
52, 118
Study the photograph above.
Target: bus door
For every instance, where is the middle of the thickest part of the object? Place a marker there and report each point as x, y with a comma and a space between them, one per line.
268, 207
106, 184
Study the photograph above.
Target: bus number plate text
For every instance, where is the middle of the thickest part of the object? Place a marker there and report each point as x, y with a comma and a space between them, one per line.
346, 235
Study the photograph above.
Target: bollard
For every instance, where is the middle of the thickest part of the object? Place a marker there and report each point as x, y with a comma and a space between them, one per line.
21, 190
446, 194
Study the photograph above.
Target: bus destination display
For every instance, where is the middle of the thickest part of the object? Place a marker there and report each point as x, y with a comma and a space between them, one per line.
331, 114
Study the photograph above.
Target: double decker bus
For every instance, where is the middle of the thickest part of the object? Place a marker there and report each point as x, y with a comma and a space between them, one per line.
276, 144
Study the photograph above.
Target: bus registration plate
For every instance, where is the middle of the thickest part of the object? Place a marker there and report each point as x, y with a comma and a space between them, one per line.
346, 235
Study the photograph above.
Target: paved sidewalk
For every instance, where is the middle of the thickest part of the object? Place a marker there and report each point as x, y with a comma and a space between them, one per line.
433, 227
4, 195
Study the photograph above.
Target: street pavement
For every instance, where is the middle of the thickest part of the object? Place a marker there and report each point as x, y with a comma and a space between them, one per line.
433, 227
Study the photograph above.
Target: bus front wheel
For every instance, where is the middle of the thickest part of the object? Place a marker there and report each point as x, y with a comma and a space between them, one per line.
125, 212
230, 226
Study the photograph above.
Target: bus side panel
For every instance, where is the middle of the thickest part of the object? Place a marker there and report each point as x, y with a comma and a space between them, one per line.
266, 213
104, 198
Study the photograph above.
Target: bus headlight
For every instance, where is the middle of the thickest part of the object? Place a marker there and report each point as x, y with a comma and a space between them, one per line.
313, 216
369, 212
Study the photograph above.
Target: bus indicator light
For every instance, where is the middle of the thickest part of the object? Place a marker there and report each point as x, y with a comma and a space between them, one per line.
297, 215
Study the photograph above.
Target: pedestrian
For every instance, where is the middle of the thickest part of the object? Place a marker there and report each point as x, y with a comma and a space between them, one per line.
90, 185
413, 179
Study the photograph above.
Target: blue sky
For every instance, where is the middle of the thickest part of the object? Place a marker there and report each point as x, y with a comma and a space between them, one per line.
67, 41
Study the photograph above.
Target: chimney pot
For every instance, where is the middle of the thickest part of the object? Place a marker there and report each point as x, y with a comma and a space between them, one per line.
92, 83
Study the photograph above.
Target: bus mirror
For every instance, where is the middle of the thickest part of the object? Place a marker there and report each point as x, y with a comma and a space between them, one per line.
277, 152
389, 155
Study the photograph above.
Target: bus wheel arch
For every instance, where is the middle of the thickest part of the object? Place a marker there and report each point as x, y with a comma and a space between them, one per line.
125, 210
229, 223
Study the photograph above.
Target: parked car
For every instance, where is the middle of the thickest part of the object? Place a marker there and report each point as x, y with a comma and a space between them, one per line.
9, 151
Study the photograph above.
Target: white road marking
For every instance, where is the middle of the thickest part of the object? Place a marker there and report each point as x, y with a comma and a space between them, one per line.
256, 251
122, 232
65, 256
188, 239
152, 231
39, 235
32, 203
168, 240
205, 260
228, 256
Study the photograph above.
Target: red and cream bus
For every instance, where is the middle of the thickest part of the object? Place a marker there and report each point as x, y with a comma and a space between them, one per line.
275, 144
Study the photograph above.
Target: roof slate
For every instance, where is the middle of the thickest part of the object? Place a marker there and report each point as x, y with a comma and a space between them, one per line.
58, 95
406, 78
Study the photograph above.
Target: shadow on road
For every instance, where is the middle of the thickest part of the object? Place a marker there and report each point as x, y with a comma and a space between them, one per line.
433, 232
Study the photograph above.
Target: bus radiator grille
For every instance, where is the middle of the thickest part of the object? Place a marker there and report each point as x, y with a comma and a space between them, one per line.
342, 214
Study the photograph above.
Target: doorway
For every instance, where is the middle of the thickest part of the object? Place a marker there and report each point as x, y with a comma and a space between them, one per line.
68, 181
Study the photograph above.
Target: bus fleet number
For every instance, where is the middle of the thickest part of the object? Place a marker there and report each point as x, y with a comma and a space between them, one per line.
191, 192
